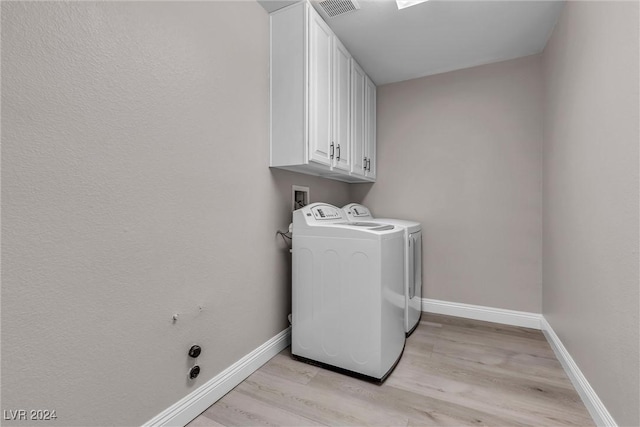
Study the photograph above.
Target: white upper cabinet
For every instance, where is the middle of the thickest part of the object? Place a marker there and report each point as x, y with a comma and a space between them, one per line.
311, 98
341, 106
320, 43
370, 128
359, 159
363, 124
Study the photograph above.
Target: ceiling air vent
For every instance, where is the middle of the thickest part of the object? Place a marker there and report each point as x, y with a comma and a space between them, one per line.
338, 7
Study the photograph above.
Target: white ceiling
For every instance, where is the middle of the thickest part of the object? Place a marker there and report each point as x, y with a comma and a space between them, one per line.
439, 35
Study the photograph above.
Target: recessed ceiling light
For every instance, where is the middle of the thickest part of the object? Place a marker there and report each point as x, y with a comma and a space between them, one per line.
406, 3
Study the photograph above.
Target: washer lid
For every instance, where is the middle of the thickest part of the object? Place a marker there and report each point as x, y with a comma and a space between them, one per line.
364, 224
371, 225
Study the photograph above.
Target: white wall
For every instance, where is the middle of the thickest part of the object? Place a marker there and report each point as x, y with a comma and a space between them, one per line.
591, 191
135, 185
461, 153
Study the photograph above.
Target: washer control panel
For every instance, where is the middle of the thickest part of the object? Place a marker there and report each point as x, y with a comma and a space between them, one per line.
321, 212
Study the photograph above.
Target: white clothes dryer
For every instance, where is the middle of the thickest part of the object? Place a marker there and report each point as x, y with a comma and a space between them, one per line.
412, 260
347, 292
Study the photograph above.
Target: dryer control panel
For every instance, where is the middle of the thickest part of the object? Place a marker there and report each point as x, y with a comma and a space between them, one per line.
357, 211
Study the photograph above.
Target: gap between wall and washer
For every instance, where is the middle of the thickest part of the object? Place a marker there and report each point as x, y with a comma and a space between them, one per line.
196, 402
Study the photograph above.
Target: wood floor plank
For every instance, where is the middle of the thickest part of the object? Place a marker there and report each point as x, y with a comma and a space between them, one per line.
284, 366
508, 394
529, 388
390, 400
326, 407
453, 372
203, 421
504, 361
489, 338
239, 409
515, 403
479, 325
420, 342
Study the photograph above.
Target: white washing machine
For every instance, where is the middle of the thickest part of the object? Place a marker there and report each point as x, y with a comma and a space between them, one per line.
412, 260
347, 292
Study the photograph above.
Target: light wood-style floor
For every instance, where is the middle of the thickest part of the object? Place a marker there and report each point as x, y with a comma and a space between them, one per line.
453, 372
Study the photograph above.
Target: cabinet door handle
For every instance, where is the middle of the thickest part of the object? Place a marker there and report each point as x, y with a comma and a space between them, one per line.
338, 148
368, 165
365, 163
331, 152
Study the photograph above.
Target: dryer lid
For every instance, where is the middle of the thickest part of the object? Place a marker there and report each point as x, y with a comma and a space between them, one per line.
412, 226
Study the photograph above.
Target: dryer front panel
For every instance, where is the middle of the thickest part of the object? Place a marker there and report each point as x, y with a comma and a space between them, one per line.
414, 282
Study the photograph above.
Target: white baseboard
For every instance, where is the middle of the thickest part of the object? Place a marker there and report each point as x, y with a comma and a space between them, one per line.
186, 409
594, 405
479, 312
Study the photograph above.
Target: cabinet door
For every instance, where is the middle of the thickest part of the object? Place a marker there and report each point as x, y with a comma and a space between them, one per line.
370, 128
319, 101
357, 120
341, 96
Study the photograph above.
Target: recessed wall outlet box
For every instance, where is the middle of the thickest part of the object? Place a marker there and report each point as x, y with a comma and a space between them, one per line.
299, 197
